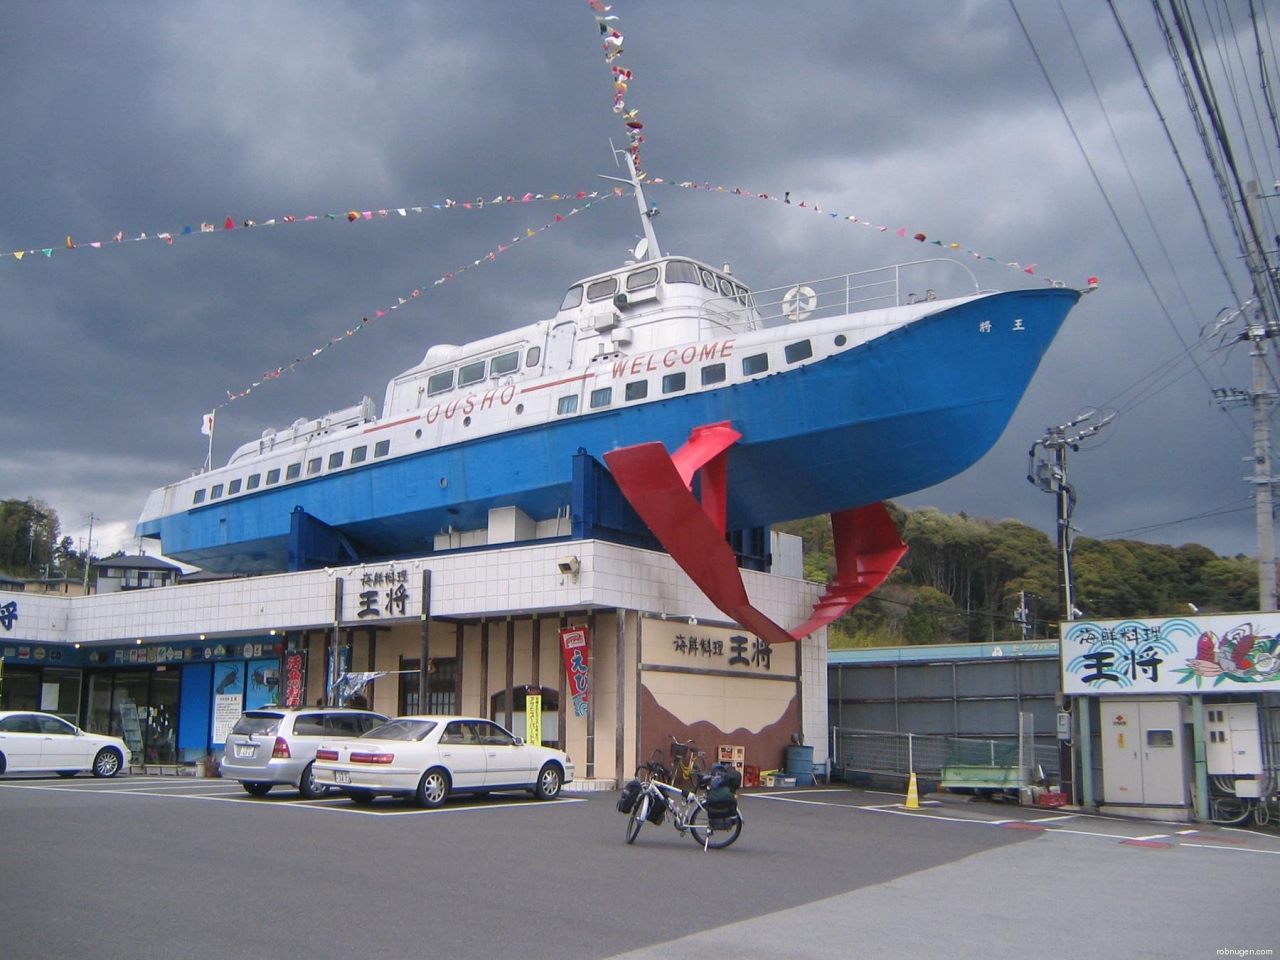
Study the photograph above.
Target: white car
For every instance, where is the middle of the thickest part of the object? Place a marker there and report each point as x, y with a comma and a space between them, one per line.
428, 758
36, 742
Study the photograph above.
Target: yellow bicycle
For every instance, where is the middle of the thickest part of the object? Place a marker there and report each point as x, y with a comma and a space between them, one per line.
687, 763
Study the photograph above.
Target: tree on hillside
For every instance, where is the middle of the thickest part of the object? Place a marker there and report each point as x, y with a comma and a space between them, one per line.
965, 578
28, 531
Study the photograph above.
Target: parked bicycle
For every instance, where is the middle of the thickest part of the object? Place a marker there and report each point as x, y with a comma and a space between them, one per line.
687, 762
709, 813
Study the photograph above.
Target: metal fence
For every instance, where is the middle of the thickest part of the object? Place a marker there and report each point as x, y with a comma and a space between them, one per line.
898, 755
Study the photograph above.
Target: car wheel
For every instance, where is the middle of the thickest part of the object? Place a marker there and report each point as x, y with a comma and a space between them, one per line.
67, 773
307, 786
549, 782
362, 797
107, 762
2, 764
256, 789
433, 788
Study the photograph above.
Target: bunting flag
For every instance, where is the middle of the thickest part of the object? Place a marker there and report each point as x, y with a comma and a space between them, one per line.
489, 257
903, 232
611, 39
353, 216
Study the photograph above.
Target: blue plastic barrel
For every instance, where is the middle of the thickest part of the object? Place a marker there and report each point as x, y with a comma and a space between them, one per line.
800, 765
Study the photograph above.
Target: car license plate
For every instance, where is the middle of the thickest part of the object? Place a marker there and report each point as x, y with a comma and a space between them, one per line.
246, 751
341, 776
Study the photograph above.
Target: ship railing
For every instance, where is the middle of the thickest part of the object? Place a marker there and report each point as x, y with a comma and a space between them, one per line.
896, 285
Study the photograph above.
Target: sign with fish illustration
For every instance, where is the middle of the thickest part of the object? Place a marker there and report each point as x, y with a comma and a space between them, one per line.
1222, 653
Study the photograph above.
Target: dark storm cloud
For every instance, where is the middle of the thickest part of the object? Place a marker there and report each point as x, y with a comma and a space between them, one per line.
147, 117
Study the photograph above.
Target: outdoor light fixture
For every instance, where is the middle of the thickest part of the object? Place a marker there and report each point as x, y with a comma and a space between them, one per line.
568, 567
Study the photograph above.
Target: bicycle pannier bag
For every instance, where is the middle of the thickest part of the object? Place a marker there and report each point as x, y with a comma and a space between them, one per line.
657, 812
630, 793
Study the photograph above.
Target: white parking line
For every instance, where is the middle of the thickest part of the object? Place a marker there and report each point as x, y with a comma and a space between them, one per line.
1214, 846
224, 793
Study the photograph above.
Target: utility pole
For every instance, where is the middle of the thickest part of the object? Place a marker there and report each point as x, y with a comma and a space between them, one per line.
88, 552
1261, 326
1050, 475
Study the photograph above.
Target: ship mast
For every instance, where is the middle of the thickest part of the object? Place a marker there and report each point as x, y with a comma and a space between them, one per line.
648, 249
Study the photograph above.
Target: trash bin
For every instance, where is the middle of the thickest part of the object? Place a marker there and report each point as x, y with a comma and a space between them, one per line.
800, 765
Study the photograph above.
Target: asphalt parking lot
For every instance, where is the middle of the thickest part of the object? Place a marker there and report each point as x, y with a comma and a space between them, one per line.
140, 867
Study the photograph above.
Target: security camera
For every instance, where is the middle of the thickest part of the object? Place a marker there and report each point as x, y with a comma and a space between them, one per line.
568, 566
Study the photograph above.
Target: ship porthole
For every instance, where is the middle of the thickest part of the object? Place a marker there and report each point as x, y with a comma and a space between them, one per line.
444, 481
417, 434
466, 421
841, 340
519, 408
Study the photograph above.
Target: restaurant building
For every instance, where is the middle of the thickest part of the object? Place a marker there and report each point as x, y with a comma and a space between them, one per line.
620, 648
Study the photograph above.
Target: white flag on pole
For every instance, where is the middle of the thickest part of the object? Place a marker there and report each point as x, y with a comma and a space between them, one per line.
207, 427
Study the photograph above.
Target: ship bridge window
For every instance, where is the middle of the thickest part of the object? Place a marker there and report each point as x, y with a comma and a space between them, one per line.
335, 460
359, 454
273, 476
253, 482
602, 289
602, 397
741, 294
293, 471
681, 271
567, 404
756, 363
637, 389
233, 488
800, 350
708, 280
381, 448
533, 356
712, 373
642, 278
504, 363
198, 497
215, 491
726, 288
471, 373
572, 299
440, 382
313, 466
673, 382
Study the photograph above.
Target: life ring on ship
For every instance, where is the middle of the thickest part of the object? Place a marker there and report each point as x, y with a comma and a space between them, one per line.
798, 303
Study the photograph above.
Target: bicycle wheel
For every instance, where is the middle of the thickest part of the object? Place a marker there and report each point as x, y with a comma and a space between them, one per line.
636, 820
708, 837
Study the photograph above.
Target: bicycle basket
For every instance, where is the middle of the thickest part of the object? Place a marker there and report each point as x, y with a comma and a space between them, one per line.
630, 794
679, 751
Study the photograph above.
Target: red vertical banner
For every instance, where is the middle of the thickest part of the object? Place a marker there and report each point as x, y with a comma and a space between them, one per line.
293, 679
573, 644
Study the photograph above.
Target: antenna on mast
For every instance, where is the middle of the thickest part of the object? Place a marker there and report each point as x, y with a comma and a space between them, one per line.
646, 249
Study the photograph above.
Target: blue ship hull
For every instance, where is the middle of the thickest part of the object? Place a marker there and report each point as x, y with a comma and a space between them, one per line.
897, 414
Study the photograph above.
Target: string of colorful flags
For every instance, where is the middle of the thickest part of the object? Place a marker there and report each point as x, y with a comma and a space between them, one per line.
492, 255
352, 216
904, 232
622, 77
611, 35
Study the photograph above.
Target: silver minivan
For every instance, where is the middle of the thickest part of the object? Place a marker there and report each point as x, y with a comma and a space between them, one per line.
277, 745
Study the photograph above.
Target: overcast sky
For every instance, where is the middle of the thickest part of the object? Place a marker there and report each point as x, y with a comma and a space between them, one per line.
140, 118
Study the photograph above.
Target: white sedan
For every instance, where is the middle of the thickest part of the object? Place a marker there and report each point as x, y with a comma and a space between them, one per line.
38, 742
428, 758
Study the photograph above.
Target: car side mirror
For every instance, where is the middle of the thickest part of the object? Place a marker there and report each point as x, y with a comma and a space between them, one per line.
519, 741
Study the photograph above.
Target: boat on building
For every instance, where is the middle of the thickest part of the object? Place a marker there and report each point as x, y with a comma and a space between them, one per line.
816, 396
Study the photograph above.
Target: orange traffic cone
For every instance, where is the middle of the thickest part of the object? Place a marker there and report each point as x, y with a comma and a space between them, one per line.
913, 794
